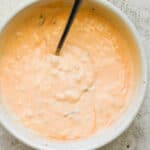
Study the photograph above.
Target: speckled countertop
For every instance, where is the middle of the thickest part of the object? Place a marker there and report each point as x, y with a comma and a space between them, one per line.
137, 137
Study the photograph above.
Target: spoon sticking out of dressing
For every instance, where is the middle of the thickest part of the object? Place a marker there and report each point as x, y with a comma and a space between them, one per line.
68, 25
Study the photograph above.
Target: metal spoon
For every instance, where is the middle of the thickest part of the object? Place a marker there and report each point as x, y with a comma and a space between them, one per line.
68, 25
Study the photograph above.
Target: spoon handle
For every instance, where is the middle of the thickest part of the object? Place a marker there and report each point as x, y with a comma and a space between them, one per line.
68, 25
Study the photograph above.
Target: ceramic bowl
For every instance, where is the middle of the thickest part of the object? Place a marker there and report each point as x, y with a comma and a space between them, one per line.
98, 140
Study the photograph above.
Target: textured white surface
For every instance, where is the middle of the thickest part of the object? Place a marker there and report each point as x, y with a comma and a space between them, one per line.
137, 137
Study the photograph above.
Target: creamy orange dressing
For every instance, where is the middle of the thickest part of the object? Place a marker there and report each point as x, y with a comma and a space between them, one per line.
76, 94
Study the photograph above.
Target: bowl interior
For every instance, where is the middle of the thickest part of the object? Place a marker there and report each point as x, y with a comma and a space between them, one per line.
127, 29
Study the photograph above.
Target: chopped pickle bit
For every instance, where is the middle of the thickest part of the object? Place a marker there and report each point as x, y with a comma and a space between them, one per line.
41, 19
86, 90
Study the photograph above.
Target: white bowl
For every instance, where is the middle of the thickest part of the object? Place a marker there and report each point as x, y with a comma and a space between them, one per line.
98, 140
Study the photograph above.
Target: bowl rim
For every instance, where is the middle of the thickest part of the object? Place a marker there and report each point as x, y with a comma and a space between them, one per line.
143, 59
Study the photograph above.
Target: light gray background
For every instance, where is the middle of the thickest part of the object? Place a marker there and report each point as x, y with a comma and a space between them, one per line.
137, 137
